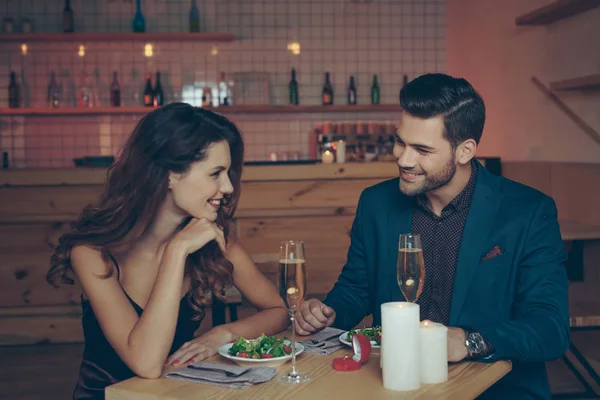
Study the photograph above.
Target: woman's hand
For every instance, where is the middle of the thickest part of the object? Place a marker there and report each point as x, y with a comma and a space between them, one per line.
197, 233
201, 347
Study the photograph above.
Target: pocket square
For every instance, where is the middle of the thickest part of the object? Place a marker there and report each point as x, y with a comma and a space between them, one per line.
494, 252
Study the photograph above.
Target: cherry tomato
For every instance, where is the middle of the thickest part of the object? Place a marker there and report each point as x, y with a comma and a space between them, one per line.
266, 355
287, 349
243, 354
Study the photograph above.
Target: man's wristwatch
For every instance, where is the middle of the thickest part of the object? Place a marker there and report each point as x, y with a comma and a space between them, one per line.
475, 343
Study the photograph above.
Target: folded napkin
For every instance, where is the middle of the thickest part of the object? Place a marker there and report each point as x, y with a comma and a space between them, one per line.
325, 342
223, 374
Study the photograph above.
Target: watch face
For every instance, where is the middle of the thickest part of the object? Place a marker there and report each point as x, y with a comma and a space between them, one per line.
475, 343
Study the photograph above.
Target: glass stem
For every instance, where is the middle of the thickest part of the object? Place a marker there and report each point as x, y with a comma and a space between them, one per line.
292, 319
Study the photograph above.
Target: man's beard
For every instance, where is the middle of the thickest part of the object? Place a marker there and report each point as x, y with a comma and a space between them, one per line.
432, 182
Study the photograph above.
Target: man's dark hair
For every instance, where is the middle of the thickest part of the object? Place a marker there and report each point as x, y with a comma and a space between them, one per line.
454, 99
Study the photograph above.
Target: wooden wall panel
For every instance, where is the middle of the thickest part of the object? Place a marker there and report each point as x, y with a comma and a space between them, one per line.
576, 190
303, 194
40, 325
23, 282
326, 241
536, 175
38, 202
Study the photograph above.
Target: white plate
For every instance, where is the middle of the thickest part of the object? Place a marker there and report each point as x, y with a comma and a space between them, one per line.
344, 335
261, 362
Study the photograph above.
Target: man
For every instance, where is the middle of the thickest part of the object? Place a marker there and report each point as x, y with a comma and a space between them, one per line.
493, 252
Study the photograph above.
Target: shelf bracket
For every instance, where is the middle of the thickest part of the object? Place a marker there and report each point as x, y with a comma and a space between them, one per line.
595, 136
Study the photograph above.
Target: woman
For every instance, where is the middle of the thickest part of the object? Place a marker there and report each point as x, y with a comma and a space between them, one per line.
154, 248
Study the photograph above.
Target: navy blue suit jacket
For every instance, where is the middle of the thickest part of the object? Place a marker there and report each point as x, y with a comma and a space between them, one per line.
517, 300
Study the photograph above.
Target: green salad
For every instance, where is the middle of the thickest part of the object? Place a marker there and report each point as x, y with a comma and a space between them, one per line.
374, 334
263, 347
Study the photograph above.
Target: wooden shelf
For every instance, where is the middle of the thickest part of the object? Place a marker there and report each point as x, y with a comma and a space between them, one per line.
223, 110
107, 37
556, 11
590, 82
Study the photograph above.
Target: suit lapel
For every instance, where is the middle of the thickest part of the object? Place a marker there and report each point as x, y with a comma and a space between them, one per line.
478, 226
399, 221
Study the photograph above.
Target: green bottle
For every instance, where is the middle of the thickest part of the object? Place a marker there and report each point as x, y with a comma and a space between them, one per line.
293, 86
375, 91
139, 23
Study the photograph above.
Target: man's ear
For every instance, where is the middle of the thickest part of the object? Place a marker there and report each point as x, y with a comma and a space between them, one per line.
466, 151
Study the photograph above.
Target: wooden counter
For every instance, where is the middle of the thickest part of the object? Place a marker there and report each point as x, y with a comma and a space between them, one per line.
315, 203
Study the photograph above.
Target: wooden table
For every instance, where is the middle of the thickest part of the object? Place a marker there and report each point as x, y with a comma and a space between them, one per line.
466, 381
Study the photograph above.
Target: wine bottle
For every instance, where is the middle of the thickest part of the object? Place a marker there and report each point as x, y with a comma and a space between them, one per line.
14, 92
194, 17
224, 90
148, 97
327, 93
139, 24
115, 91
158, 96
375, 91
293, 88
351, 92
53, 97
67, 17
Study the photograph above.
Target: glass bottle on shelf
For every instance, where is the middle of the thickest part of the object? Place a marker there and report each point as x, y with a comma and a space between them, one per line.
206, 97
84, 96
352, 92
293, 88
327, 92
67, 18
158, 97
115, 91
14, 92
375, 91
148, 96
224, 90
53, 96
194, 17
139, 24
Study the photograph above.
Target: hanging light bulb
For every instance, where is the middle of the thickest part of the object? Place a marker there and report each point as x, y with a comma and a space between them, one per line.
294, 47
81, 52
148, 50
24, 49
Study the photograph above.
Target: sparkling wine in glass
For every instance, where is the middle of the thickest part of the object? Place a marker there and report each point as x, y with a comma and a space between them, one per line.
411, 266
292, 288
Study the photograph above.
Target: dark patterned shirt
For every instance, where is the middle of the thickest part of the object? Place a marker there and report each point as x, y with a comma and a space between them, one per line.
441, 238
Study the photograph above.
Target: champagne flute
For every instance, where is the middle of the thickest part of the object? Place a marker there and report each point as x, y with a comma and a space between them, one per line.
292, 288
411, 266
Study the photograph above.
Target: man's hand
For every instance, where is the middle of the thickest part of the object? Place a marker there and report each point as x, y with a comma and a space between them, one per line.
313, 316
457, 349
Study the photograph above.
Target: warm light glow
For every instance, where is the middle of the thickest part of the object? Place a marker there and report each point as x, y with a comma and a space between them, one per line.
214, 51
148, 50
81, 51
294, 47
24, 49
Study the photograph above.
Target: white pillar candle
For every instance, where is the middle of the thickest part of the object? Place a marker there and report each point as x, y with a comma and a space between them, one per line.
327, 157
340, 152
400, 346
434, 352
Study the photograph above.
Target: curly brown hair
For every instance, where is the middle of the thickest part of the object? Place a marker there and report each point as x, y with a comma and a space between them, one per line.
168, 139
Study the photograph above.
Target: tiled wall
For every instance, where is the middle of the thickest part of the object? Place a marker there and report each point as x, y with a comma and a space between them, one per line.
390, 38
